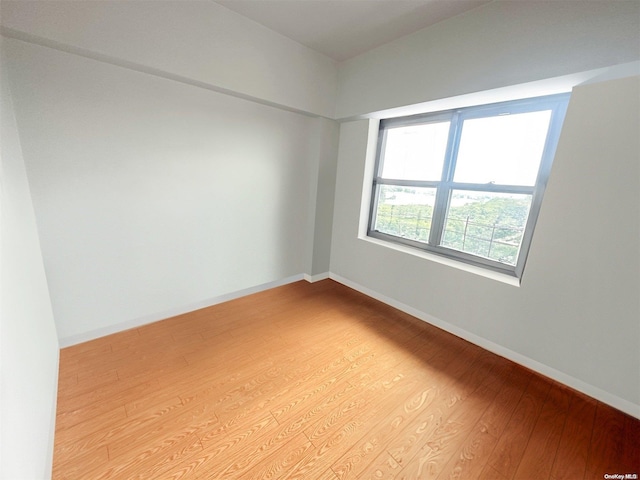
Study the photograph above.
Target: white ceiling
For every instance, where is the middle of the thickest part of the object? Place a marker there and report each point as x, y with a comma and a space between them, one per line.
342, 29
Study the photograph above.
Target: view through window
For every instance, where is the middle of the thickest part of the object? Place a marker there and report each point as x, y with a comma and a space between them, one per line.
468, 183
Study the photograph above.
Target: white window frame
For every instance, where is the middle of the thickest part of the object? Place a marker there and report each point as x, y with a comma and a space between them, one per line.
556, 103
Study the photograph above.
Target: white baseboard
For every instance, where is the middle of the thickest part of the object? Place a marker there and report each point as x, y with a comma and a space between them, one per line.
155, 317
317, 277
579, 385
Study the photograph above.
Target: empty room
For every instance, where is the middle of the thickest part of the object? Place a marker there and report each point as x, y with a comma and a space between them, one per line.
320, 239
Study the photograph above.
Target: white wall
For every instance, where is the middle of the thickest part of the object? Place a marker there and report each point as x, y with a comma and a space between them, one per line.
152, 195
197, 40
323, 196
168, 170
28, 343
578, 303
153, 191
576, 316
500, 44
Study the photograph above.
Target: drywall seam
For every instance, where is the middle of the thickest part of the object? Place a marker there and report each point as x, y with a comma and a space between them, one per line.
579, 385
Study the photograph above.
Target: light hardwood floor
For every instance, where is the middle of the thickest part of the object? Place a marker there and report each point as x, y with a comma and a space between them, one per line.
316, 381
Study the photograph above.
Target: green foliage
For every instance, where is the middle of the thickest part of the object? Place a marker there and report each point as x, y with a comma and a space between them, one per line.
406, 221
503, 211
489, 226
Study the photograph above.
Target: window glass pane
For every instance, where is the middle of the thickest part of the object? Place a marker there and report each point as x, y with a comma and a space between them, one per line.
505, 150
487, 224
415, 152
405, 211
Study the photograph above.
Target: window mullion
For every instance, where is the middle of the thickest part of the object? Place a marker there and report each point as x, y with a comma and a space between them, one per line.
496, 237
382, 139
406, 183
490, 187
439, 212
443, 193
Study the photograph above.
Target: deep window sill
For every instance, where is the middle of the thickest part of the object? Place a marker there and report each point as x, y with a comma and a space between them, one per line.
465, 267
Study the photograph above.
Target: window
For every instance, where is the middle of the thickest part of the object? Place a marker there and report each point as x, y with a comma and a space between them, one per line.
468, 183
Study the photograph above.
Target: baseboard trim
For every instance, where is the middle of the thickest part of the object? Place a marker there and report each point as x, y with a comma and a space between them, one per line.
579, 385
317, 277
572, 382
155, 317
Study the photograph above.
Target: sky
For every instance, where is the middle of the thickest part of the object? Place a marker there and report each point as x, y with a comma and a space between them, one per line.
505, 150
